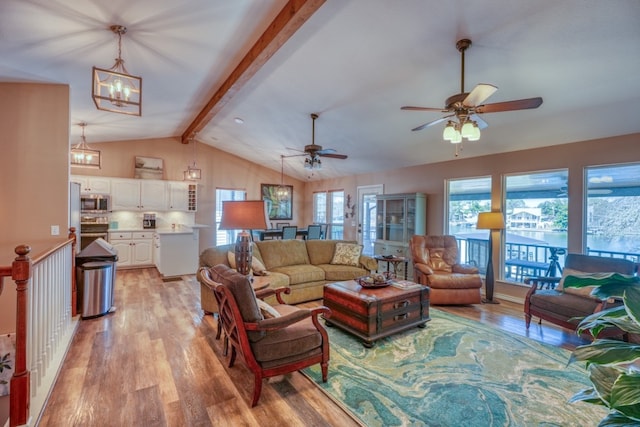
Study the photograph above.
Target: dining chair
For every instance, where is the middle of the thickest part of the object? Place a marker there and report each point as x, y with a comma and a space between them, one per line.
289, 232
323, 230
314, 232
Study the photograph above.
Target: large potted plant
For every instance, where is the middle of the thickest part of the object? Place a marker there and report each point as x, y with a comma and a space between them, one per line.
613, 365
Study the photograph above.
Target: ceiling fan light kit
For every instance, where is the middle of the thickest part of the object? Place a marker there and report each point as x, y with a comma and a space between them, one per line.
312, 163
114, 89
463, 120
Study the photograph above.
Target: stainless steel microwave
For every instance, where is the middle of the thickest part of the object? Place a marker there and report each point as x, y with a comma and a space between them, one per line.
95, 203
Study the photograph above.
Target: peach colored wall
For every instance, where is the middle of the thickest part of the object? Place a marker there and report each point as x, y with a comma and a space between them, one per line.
34, 188
34, 172
219, 170
430, 179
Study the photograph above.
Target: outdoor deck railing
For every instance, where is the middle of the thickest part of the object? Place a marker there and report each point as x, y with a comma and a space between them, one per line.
528, 259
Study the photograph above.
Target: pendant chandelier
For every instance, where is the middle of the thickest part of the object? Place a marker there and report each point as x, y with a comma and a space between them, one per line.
82, 156
282, 192
115, 89
193, 173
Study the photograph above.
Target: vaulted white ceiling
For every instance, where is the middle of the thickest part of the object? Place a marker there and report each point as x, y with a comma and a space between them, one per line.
354, 62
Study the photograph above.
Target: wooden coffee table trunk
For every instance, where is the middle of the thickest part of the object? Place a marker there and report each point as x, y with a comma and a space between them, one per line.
373, 313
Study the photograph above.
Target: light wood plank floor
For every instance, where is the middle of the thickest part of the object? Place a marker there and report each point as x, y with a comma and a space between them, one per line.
155, 362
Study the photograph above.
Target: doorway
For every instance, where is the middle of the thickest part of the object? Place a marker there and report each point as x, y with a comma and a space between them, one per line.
367, 216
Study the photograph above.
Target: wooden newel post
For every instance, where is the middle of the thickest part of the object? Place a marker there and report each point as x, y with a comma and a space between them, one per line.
19, 397
74, 285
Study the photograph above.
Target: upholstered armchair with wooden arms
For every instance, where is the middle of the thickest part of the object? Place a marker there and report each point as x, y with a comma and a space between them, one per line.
282, 340
436, 264
548, 300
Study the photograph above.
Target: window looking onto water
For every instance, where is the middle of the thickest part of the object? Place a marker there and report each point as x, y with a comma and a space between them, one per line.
612, 217
466, 198
536, 222
224, 237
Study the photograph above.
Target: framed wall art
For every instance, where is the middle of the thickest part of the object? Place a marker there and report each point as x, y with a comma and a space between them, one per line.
148, 168
277, 208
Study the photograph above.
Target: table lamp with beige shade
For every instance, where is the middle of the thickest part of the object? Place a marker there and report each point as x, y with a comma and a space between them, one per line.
243, 215
490, 221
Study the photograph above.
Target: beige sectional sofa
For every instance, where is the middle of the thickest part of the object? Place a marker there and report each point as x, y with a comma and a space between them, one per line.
303, 265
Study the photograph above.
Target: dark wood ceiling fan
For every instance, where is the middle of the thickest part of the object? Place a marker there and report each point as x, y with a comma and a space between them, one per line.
313, 150
468, 105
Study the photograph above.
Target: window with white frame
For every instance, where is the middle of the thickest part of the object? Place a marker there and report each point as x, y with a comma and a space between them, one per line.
612, 219
224, 237
328, 208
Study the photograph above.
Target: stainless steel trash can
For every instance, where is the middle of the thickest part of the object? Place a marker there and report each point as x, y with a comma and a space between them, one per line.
96, 288
96, 278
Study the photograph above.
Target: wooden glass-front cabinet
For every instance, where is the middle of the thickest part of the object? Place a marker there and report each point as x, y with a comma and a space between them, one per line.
398, 217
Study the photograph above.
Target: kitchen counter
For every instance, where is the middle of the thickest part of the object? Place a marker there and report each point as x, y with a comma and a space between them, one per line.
177, 230
176, 251
183, 229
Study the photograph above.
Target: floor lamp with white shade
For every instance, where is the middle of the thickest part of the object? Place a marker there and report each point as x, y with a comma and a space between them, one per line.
490, 221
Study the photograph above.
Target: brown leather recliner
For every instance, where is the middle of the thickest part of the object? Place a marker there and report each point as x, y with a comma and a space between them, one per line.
436, 264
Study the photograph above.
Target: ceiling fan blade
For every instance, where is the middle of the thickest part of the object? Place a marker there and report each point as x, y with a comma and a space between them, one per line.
519, 104
295, 155
333, 155
325, 151
410, 108
434, 122
479, 94
481, 123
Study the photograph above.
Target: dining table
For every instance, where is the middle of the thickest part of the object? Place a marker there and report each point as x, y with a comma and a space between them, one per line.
276, 233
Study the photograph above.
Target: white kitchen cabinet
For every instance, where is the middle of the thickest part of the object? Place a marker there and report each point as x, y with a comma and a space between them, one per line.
140, 195
93, 184
182, 196
134, 248
178, 252
178, 196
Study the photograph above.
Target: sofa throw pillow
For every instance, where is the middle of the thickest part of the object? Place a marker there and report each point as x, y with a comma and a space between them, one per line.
231, 257
585, 292
268, 312
347, 254
257, 267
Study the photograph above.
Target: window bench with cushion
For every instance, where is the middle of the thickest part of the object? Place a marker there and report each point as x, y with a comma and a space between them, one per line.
548, 300
305, 266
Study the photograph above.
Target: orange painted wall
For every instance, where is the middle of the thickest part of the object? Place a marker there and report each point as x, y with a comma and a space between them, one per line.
34, 184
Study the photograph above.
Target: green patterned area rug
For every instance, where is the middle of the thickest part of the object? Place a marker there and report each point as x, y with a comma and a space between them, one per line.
455, 372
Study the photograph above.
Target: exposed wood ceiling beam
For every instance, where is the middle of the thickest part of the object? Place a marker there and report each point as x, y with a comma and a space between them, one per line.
289, 20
